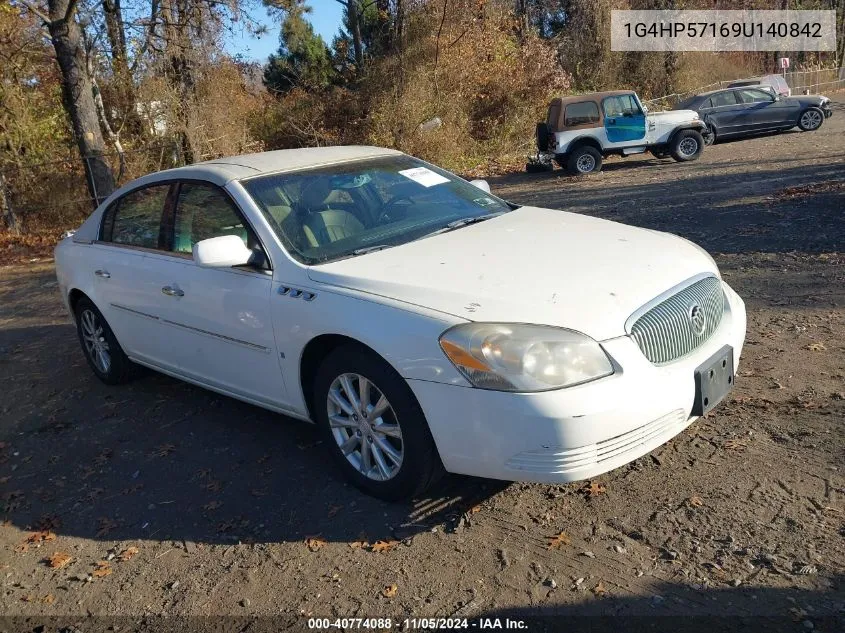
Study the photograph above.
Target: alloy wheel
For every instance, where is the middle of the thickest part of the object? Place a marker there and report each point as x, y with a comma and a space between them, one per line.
365, 427
96, 345
811, 120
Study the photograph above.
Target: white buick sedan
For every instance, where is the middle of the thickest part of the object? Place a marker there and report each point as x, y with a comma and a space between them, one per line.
421, 322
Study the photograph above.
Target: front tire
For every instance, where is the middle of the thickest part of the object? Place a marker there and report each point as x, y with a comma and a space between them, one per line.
373, 425
709, 135
686, 145
584, 160
811, 119
102, 351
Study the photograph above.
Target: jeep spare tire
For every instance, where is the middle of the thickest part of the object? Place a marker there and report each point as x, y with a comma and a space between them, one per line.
542, 137
686, 145
584, 160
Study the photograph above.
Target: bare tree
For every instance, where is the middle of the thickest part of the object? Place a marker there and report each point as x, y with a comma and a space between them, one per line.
77, 92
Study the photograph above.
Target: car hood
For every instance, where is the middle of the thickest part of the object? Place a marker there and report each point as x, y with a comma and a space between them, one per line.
808, 100
531, 265
674, 116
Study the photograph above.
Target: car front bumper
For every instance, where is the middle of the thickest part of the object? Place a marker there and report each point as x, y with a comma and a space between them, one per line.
578, 432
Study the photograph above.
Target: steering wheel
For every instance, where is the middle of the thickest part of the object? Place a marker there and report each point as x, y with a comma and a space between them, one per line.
388, 207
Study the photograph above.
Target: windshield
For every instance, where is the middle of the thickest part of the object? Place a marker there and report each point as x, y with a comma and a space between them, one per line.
352, 208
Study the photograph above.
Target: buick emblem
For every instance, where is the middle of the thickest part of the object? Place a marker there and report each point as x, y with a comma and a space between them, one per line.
697, 319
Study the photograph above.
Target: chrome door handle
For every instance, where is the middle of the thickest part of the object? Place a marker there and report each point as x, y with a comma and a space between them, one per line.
102, 273
170, 291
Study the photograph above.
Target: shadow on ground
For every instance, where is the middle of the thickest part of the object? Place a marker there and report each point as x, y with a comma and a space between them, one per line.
681, 608
161, 459
724, 213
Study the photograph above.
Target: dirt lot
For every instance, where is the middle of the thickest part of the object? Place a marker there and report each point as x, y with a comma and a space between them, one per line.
162, 498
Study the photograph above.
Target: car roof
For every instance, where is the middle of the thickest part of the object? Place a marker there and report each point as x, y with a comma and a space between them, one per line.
594, 96
223, 170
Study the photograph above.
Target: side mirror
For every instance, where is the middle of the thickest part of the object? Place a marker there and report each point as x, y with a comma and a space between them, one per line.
221, 252
481, 184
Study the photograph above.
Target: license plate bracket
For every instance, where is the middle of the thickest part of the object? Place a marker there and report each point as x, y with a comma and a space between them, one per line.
714, 379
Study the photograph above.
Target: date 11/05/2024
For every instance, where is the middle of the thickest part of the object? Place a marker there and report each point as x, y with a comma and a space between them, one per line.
410, 624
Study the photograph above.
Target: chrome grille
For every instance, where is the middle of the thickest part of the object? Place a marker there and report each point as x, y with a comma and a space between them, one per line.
675, 327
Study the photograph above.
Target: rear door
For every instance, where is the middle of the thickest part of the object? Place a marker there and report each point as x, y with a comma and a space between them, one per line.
217, 319
624, 120
723, 110
124, 284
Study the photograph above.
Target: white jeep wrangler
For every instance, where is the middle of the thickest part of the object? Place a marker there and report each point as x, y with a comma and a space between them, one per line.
580, 130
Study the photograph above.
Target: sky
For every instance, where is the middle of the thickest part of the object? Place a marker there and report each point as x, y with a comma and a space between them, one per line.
325, 17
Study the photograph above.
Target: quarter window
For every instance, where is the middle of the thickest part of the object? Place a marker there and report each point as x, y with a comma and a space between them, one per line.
135, 219
203, 212
581, 113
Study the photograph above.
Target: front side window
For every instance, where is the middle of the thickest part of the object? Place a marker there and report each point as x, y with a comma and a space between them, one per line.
621, 105
135, 219
348, 209
202, 212
581, 113
724, 99
755, 95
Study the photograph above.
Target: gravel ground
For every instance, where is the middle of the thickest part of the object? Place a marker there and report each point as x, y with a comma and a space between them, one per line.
159, 498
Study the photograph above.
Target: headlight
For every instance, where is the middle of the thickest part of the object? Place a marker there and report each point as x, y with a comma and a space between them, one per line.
515, 357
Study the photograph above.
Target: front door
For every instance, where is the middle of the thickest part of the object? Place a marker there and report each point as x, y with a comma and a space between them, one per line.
217, 320
624, 120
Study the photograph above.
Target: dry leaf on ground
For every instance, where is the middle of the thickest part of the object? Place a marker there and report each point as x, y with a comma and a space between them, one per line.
359, 545
594, 489
735, 445
36, 538
389, 591
59, 560
600, 589
695, 501
101, 569
315, 542
817, 347
558, 540
128, 553
383, 546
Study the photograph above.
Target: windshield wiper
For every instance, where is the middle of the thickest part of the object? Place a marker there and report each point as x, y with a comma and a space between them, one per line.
370, 249
457, 224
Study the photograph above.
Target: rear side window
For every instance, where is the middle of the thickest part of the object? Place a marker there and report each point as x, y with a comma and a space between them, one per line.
554, 115
202, 212
135, 219
581, 113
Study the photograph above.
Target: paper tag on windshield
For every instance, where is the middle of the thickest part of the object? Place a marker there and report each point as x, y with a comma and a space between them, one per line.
424, 176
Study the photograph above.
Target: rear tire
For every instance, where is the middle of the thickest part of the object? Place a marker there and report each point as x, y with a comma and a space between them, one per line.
584, 160
686, 145
811, 119
102, 351
350, 423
